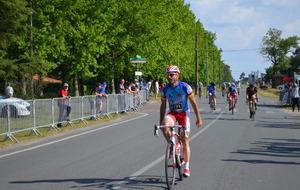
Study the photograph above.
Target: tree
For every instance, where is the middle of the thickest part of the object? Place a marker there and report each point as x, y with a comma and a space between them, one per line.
275, 49
242, 75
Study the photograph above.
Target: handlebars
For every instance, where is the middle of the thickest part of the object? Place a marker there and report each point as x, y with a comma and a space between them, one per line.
156, 127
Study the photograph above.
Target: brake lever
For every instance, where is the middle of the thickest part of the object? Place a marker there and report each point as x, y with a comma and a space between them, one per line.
156, 131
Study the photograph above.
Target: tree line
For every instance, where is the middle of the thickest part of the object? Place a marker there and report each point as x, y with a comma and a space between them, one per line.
283, 53
87, 41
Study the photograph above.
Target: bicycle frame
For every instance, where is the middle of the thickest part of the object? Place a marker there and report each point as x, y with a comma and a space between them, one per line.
174, 146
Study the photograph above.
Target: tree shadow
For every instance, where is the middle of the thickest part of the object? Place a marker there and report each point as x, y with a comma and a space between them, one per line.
138, 182
268, 147
285, 124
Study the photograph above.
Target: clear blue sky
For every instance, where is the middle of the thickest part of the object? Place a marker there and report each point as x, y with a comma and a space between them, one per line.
241, 24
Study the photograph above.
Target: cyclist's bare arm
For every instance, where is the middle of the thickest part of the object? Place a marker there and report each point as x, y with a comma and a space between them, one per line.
163, 107
196, 110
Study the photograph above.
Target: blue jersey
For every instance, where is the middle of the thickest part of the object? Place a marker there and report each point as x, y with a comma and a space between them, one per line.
232, 90
211, 89
178, 96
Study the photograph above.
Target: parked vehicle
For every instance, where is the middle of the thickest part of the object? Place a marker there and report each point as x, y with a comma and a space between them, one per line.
17, 107
280, 87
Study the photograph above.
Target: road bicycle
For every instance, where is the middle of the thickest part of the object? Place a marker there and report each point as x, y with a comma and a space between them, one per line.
212, 103
252, 108
173, 158
231, 104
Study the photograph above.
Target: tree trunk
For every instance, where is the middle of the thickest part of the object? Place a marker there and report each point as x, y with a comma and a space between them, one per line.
76, 89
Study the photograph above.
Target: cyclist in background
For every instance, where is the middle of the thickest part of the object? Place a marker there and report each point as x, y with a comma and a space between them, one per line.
252, 94
178, 94
232, 94
224, 88
211, 93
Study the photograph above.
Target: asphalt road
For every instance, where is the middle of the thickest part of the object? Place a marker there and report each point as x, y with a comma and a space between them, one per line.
230, 152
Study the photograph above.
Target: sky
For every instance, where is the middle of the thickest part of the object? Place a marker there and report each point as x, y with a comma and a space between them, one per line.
240, 26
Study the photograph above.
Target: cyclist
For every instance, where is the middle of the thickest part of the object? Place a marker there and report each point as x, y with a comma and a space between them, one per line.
232, 94
224, 87
211, 93
252, 94
178, 94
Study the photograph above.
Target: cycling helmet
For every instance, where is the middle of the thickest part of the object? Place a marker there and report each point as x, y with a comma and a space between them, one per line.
233, 84
251, 85
172, 69
213, 83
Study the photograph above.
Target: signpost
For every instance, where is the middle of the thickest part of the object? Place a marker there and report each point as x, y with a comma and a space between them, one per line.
138, 60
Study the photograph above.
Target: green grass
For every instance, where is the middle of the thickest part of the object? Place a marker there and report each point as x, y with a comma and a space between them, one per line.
269, 92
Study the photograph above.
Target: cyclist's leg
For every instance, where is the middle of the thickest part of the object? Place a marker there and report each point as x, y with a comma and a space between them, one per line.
185, 120
169, 120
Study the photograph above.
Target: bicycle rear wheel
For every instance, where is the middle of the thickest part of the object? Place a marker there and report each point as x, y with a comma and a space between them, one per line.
232, 106
170, 165
253, 111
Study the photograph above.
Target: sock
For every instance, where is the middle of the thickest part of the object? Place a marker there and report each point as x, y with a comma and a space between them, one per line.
187, 165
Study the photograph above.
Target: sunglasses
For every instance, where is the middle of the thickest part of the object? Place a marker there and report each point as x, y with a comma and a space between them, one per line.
171, 74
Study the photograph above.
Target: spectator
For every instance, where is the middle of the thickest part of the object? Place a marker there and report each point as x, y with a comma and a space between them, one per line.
101, 93
9, 91
63, 93
121, 87
156, 88
295, 96
148, 90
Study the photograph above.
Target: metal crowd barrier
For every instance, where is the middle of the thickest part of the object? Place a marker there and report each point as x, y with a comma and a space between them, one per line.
40, 113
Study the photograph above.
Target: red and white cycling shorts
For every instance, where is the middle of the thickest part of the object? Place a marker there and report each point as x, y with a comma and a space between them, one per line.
232, 96
183, 118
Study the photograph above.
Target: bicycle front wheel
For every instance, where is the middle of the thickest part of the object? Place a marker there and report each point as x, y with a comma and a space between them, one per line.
170, 165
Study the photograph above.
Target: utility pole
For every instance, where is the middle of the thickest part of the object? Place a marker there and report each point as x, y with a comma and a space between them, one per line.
196, 68
206, 64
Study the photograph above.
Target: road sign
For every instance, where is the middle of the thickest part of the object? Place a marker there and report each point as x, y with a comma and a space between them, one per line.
137, 73
138, 60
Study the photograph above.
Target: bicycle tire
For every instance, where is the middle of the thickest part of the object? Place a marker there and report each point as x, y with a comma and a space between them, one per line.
212, 104
232, 107
170, 165
253, 111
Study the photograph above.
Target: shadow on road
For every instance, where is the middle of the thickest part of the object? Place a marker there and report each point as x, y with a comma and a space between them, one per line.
140, 182
268, 147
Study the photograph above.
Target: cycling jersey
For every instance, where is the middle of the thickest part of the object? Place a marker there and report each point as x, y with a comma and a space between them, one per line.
251, 91
211, 89
178, 96
232, 90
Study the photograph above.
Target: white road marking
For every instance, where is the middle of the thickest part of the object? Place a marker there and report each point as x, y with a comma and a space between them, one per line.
73, 136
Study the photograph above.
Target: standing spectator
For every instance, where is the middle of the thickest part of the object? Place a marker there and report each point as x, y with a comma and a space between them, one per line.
62, 104
101, 93
9, 91
161, 86
200, 89
295, 96
156, 88
141, 84
121, 87
148, 90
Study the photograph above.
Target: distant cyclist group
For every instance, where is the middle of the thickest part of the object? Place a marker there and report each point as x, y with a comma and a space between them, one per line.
232, 91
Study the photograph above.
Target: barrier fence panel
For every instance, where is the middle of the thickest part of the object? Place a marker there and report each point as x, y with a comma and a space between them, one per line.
88, 106
43, 112
76, 108
33, 114
20, 119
